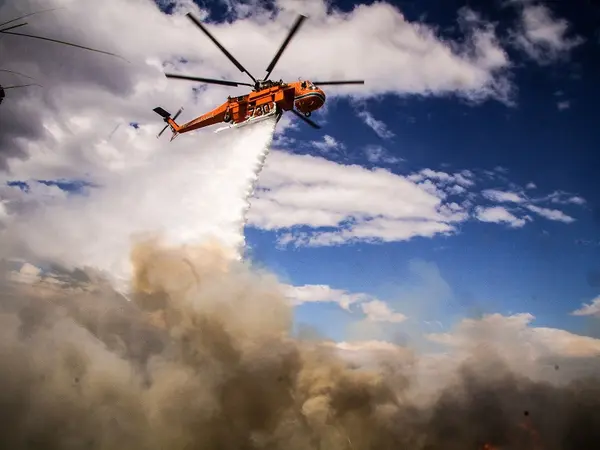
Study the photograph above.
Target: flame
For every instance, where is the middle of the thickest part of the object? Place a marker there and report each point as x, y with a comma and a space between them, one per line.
527, 425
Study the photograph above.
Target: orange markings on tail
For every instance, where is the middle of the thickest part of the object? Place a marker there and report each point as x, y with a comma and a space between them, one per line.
173, 125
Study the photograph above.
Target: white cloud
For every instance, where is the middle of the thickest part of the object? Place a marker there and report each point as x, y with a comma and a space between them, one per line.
563, 198
359, 204
283, 141
312, 293
285, 124
591, 309
502, 196
374, 353
375, 230
371, 346
433, 175
374, 309
377, 154
543, 37
577, 200
543, 354
389, 44
327, 144
513, 338
378, 126
379, 311
28, 273
316, 202
456, 190
498, 214
563, 105
464, 178
551, 214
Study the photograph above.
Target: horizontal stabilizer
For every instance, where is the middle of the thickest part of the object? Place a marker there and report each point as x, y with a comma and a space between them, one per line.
161, 112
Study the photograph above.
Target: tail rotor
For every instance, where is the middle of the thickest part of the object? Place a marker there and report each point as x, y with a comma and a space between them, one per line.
167, 118
162, 131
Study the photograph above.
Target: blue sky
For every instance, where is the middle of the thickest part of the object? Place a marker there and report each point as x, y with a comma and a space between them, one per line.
458, 181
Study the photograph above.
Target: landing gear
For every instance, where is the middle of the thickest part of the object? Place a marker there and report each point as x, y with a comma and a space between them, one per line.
227, 117
307, 114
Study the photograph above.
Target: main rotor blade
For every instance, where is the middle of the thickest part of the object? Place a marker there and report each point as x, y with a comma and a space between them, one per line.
177, 113
287, 40
13, 27
19, 86
322, 83
28, 15
64, 43
16, 73
306, 119
229, 55
163, 130
207, 80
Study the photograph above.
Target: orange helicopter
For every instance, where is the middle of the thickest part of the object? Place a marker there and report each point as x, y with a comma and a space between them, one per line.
267, 99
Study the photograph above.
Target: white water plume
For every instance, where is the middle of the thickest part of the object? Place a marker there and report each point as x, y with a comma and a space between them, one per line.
189, 191
257, 166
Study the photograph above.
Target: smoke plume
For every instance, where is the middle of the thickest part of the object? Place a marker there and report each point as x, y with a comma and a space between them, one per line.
203, 357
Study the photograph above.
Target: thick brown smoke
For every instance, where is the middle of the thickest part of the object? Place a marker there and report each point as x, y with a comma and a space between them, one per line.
202, 357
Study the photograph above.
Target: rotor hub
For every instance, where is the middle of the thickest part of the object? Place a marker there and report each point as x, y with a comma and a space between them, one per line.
266, 84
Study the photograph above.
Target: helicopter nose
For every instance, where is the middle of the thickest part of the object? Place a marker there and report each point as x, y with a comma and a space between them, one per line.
321, 97
310, 100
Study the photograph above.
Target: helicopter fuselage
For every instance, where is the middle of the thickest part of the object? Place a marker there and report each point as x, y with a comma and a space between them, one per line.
301, 95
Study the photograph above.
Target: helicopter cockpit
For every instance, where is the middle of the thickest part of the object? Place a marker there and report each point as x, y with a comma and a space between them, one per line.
308, 85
